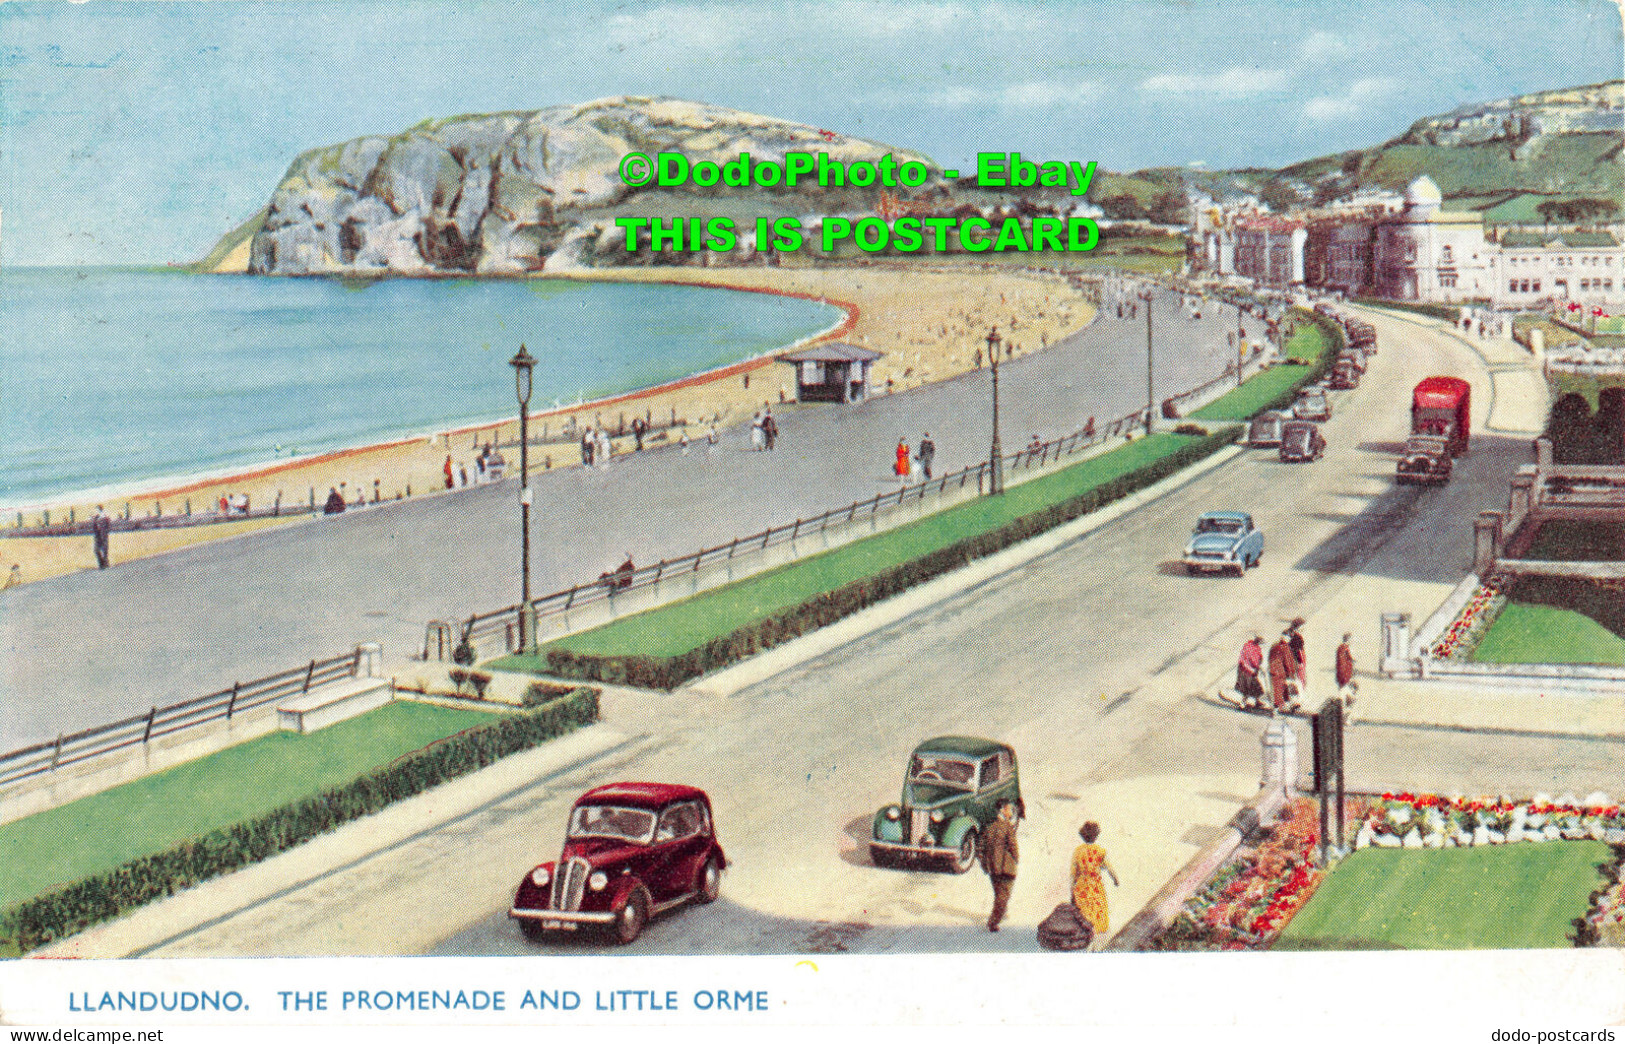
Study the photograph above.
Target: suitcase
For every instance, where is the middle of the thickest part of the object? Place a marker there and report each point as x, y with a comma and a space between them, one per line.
1065, 929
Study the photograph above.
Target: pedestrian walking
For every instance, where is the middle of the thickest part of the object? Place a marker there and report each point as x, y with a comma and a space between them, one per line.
758, 434
770, 428
335, 502
462, 476
101, 529
1088, 890
638, 428
682, 442
1248, 684
999, 857
1283, 674
1346, 685
1300, 661
925, 454
606, 449
588, 447
451, 479
711, 438
900, 466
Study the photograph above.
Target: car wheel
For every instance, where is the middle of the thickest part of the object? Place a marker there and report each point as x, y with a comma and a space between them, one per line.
966, 857
633, 916
710, 882
532, 930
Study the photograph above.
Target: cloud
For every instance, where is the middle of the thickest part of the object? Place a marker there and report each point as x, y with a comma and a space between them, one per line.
1361, 96
1029, 94
1237, 82
1321, 45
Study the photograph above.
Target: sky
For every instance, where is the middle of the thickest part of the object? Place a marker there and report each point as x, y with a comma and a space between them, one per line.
140, 132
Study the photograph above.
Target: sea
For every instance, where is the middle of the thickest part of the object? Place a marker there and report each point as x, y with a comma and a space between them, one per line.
120, 380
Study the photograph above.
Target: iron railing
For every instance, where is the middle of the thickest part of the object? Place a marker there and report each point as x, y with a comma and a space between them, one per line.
141, 729
479, 626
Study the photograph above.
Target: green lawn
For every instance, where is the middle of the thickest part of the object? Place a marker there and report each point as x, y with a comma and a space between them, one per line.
1520, 896
674, 629
149, 815
1526, 633
1307, 343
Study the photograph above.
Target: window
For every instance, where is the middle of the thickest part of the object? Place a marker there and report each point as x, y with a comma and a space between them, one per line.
1534, 287
1512, 286
680, 821
1445, 256
990, 773
1447, 279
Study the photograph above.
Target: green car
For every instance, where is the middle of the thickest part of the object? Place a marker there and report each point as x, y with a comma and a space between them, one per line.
952, 791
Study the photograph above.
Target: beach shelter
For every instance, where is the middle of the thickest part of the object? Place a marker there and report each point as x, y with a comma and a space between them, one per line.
833, 372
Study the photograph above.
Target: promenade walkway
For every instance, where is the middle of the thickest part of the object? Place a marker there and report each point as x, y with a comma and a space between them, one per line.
98, 645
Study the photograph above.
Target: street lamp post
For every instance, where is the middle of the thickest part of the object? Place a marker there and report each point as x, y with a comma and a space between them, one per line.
995, 480
1150, 399
523, 363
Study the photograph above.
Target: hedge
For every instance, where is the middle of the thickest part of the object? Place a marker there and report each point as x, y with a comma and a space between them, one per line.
72, 908
824, 609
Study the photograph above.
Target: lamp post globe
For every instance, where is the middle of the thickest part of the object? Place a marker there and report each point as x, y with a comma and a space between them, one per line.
995, 463
523, 364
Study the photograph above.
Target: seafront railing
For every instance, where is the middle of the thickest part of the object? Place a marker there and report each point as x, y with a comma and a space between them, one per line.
438, 643
142, 729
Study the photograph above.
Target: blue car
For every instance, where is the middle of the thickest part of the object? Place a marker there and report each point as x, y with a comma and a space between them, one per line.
1224, 540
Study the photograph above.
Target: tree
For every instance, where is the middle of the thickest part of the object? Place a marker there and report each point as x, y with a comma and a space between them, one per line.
1569, 428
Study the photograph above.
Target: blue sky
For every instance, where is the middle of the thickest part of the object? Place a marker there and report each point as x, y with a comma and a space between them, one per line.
139, 132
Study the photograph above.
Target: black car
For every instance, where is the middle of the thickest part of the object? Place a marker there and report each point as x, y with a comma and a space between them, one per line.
1301, 441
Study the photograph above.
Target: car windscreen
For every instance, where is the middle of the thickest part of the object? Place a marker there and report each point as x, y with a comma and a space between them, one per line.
630, 824
934, 768
1218, 525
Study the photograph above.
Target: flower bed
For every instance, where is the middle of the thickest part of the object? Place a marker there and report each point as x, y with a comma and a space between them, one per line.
1253, 896
1604, 923
1458, 641
1429, 821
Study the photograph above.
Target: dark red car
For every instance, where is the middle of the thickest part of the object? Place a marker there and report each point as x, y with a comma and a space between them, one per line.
632, 851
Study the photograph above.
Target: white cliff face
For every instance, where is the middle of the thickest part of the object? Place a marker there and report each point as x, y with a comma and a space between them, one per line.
505, 193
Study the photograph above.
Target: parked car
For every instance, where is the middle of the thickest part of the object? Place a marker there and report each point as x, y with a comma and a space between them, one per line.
1265, 429
1343, 377
1426, 459
1312, 405
632, 851
1352, 357
951, 791
1301, 441
1224, 540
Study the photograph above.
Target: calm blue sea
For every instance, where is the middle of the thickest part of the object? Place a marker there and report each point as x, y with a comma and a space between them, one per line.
110, 377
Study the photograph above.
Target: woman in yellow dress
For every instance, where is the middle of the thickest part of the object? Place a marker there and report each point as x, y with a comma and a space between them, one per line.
1088, 891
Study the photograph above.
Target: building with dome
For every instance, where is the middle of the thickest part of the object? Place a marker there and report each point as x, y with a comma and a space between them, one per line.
1419, 252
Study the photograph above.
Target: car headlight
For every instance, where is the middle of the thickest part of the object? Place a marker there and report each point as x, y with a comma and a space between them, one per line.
894, 814
936, 817
598, 881
539, 877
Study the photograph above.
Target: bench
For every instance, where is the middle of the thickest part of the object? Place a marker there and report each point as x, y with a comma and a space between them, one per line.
333, 703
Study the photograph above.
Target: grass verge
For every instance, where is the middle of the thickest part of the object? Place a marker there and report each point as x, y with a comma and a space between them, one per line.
150, 814
673, 629
1526, 633
1522, 896
1310, 344
196, 852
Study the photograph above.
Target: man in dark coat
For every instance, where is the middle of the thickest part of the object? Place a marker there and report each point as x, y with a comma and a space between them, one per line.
926, 453
101, 528
999, 856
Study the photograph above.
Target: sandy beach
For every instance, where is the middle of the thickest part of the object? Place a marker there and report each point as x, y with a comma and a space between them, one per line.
930, 323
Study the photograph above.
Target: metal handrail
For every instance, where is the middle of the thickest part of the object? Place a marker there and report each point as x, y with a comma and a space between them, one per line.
484, 625
157, 722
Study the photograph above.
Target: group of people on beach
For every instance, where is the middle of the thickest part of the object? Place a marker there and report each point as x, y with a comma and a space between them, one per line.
1285, 667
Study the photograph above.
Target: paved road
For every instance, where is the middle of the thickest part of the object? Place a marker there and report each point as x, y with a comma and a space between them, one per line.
90, 647
1096, 661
